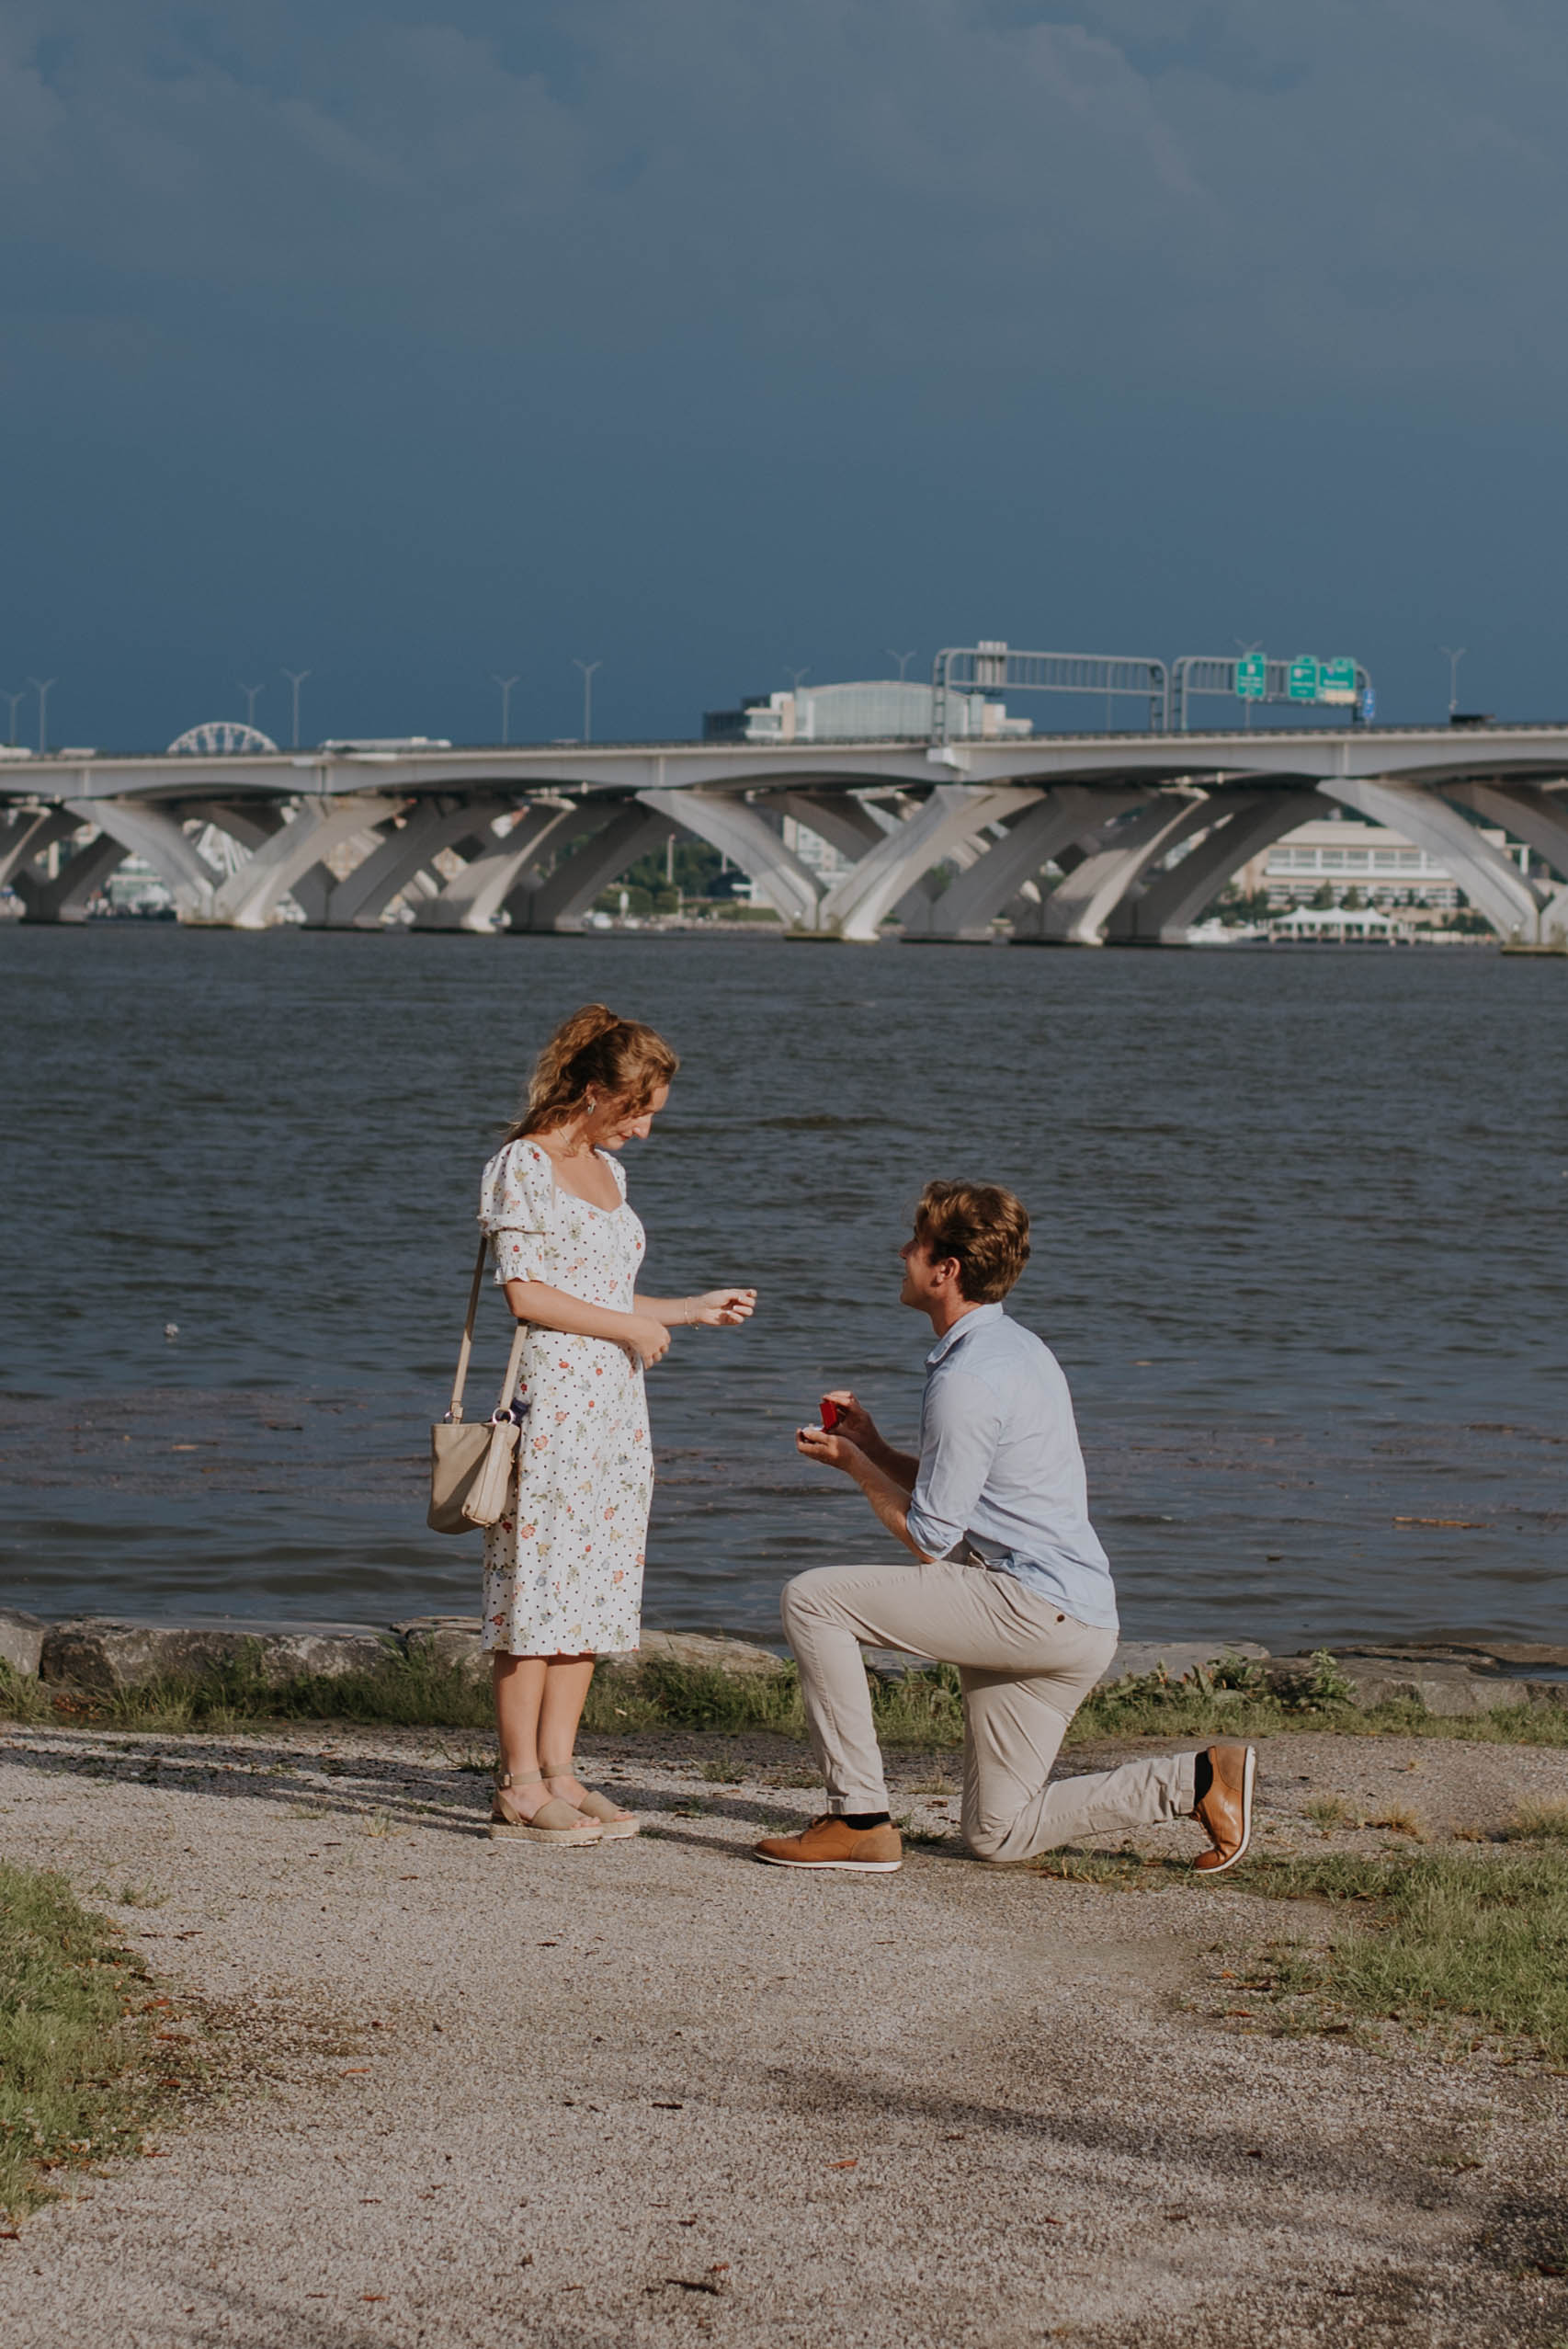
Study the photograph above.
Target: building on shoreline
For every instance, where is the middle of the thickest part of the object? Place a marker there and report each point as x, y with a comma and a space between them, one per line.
1387, 869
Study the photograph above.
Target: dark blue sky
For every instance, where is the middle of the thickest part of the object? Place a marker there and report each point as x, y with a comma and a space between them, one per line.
407, 343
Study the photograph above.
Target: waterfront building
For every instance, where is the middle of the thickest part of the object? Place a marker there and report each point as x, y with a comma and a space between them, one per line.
881, 711
1385, 867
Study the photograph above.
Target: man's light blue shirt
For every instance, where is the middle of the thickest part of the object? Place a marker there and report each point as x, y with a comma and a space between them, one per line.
1000, 1467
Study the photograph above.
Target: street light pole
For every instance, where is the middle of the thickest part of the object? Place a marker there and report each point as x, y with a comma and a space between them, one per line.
14, 700
41, 685
1453, 660
250, 693
296, 678
588, 668
505, 683
798, 674
903, 660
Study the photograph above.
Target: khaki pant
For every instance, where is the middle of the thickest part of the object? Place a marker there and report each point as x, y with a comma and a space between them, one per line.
1024, 1668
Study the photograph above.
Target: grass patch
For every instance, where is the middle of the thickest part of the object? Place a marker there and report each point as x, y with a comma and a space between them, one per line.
1457, 1945
1538, 1822
22, 1699
80, 2070
409, 1692
922, 1709
1456, 1942
1126, 1871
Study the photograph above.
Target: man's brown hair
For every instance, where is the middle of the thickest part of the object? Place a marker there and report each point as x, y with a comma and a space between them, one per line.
985, 1228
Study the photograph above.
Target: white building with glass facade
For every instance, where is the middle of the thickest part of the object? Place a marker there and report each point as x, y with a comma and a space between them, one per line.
883, 710
1386, 868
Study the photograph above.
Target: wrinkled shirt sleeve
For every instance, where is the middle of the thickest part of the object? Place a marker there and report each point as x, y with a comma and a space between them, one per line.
514, 1200
960, 1428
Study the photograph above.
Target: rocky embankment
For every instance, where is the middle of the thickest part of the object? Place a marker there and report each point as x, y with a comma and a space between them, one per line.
102, 1654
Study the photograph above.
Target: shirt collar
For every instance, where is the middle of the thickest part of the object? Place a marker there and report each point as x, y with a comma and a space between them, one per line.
978, 1319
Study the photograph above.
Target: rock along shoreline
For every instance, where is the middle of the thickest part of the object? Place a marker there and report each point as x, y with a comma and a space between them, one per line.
106, 1655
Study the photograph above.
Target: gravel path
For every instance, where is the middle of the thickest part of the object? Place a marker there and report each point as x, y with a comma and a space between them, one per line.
654, 2093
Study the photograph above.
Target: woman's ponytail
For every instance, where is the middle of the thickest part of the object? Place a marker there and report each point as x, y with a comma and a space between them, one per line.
594, 1050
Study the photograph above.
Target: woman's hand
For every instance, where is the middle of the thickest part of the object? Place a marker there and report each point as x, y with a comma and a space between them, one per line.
853, 1420
723, 1308
647, 1338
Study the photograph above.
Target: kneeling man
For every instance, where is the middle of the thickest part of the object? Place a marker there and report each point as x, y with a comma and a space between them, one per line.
1011, 1584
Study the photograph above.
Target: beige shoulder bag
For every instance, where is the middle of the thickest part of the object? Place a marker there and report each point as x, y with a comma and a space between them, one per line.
470, 1466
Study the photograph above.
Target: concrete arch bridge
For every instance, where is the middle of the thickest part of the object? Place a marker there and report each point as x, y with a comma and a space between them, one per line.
1142, 829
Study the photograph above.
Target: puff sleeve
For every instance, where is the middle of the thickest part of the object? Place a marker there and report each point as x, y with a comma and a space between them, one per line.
514, 1200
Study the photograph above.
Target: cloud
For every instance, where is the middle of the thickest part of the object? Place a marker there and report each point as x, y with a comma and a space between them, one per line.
1361, 203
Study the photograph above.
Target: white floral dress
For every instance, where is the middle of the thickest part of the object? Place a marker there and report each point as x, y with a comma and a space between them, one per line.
563, 1566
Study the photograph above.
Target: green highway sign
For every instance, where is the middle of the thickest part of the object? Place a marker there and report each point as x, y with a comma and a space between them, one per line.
1302, 678
1252, 676
1336, 681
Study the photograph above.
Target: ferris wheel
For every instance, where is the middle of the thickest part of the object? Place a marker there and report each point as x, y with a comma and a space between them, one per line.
221, 738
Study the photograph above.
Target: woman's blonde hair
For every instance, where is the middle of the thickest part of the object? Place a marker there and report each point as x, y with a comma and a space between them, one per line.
595, 1052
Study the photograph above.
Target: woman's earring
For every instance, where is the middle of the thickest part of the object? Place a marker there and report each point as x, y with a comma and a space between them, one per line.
588, 1102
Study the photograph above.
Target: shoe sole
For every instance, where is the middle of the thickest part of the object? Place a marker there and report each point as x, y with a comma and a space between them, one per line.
568, 1836
850, 1867
1249, 1781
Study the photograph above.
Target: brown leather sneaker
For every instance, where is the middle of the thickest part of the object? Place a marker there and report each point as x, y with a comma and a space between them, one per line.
1225, 1812
827, 1843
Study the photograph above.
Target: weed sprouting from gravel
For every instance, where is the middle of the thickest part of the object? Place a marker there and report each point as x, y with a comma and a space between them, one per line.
79, 2072
1538, 1822
1455, 1941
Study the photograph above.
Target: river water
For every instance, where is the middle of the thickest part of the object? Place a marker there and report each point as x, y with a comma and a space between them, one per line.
1299, 1245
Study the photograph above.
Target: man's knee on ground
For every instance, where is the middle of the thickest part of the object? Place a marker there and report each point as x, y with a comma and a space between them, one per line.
988, 1837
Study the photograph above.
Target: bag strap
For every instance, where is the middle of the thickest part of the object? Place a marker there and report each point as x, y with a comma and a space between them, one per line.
514, 1360
455, 1409
513, 1364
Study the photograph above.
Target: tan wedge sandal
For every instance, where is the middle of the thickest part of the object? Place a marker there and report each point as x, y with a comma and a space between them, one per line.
614, 1824
554, 1822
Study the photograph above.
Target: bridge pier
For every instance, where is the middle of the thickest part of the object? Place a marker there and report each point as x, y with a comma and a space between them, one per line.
855, 905
1540, 818
496, 881
362, 898
1078, 909
1041, 831
1492, 881
65, 898
248, 898
737, 831
1243, 827
158, 837
31, 834
561, 900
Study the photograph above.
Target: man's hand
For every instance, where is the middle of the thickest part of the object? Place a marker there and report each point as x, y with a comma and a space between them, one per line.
887, 1495
854, 1419
833, 1450
860, 1429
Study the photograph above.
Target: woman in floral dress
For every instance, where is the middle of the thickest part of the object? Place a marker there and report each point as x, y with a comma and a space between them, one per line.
563, 1566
